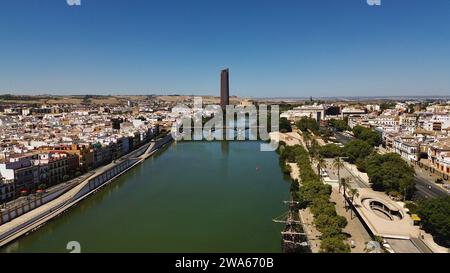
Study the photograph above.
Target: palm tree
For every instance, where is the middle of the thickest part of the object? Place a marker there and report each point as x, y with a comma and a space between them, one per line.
345, 182
338, 164
353, 193
307, 139
320, 163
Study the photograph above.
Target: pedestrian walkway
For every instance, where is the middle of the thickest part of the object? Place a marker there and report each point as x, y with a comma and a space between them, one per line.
358, 234
313, 235
306, 217
35, 218
295, 171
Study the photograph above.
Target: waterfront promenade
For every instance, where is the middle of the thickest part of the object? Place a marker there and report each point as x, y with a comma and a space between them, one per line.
105, 174
357, 234
305, 215
402, 235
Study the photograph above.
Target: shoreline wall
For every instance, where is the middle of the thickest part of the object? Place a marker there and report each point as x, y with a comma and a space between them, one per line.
92, 185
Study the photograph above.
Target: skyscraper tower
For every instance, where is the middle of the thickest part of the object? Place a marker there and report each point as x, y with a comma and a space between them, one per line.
224, 89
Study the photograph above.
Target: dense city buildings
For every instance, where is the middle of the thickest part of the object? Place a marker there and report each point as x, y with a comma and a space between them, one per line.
418, 131
43, 146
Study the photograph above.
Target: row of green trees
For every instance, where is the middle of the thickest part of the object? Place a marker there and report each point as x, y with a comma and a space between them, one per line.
309, 125
368, 135
354, 151
306, 124
388, 172
391, 174
316, 195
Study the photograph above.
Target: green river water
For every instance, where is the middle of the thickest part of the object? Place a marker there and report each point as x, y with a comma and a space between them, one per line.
193, 197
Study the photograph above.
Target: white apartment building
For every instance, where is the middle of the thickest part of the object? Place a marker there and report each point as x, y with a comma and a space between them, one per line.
351, 111
407, 147
373, 108
387, 123
22, 171
315, 111
354, 121
437, 123
408, 123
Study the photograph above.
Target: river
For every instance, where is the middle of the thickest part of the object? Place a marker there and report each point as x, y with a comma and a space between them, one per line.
193, 197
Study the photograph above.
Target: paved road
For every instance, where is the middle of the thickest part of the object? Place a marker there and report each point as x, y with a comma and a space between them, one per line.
24, 200
427, 189
36, 217
343, 138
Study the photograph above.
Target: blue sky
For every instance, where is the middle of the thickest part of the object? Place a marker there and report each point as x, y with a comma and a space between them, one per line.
273, 48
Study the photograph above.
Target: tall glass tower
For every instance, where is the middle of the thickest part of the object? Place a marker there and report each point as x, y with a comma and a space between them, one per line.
224, 88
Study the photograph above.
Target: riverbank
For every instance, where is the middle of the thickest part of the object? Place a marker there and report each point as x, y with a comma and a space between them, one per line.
102, 176
162, 205
305, 215
323, 225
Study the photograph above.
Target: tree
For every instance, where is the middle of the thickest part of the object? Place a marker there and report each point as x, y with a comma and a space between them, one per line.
307, 139
310, 190
285, 125
339, 124
289, 153
353, 193
345, 182
306, 124
314, 149
368, 135
330, 225
435, 216
330, 151
334, 244
316, 195
338, 164
357, 149
325, 133
387, 105
391, 174
320, 163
